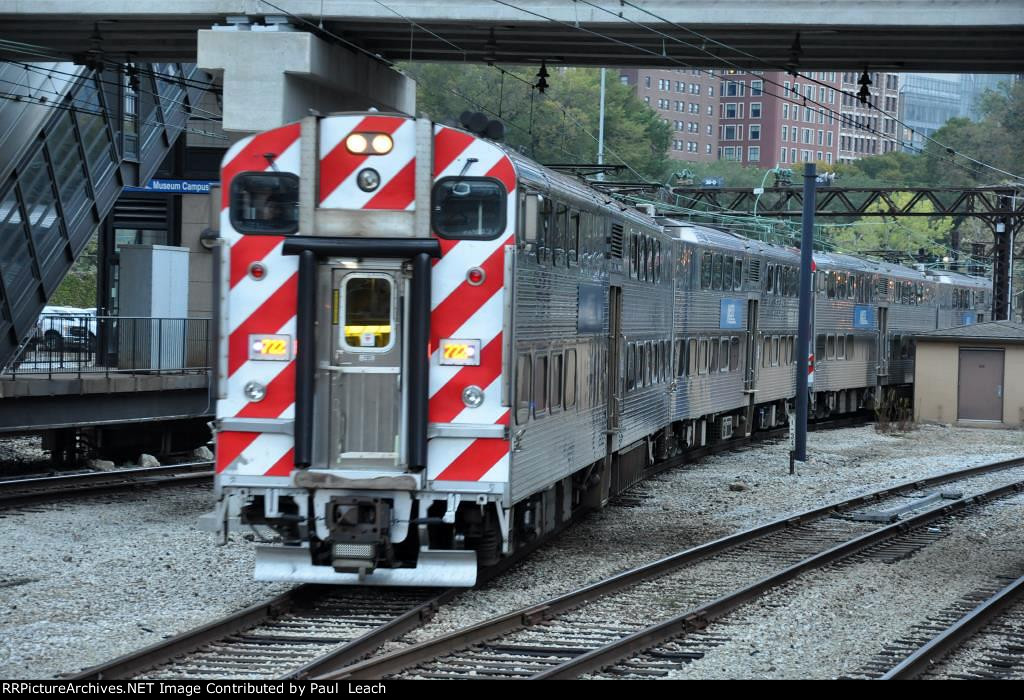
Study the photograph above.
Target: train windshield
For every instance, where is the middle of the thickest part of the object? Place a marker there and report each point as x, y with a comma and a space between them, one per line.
469, 207
265, 203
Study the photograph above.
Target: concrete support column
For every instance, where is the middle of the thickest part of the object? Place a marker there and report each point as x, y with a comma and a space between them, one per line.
271, 78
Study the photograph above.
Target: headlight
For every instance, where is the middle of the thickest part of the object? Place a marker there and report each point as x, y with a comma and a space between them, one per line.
369, 144
368, 179
472, 396
254, 391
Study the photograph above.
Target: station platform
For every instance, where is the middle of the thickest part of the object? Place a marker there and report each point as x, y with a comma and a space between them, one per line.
72, 400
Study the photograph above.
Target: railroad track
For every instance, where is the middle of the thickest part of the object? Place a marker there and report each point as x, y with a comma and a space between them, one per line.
38, 489
981, 636
644, 622
312, 630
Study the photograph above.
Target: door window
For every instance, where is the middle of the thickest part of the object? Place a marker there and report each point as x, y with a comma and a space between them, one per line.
368, 313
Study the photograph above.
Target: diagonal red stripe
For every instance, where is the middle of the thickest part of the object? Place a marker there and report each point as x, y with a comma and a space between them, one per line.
280, 395
504, 172
268, 318
466, 300
248, 250
447, 402
229, 445
475, 460
283, 466
448, 144
251, 157
339, 163
399, 192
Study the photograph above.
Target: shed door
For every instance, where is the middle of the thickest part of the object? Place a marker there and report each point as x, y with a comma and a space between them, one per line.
981, 385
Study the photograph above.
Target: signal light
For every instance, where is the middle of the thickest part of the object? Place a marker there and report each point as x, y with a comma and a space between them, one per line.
369, 144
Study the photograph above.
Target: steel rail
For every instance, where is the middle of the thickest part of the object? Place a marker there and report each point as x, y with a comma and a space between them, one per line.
956, 634
36, 489
700, 618
431, 649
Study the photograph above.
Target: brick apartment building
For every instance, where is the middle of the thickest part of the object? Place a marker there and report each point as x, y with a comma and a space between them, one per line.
686, 100
772, 118
866, 131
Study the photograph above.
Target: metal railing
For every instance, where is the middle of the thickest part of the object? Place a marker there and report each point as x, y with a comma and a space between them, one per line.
67, 345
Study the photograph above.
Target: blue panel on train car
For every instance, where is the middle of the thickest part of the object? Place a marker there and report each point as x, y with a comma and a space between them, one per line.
864, 316
731, 314
591, 309
969, 318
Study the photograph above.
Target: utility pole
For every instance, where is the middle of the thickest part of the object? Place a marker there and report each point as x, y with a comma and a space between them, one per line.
803, 338
600, 130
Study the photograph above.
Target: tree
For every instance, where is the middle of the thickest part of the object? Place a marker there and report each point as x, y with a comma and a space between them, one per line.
78, 288
909, 234
994, 140
560, 126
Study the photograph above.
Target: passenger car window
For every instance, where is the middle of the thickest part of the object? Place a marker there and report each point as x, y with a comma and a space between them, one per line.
570, 378
469, 207
540, 385
524, 383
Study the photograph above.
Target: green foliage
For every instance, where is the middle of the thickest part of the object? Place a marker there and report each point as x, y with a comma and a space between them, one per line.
560, 126
909, 234
78, 288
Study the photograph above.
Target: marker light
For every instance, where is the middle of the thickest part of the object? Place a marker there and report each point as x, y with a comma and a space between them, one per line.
257, 271
476, 276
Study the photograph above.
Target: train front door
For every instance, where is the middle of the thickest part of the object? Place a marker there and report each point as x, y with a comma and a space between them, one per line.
365, 404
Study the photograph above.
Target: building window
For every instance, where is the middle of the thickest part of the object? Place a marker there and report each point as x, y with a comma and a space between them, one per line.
755, 132
647, 81
711, 111
785, 110
755, 110
828, 139
754, 154
730, 110
785, 133
792, 155
782, 158
756, 88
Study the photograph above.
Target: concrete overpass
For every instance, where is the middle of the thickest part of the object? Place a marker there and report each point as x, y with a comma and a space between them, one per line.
885, 35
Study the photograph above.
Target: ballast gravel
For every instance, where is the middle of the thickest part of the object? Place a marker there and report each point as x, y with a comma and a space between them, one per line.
85, 581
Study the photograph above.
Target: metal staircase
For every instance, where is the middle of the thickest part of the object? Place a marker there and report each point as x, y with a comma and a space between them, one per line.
70, 139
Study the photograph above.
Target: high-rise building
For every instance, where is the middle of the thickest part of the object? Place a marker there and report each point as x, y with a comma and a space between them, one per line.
864, 130
772, 118
686, 100
929, 100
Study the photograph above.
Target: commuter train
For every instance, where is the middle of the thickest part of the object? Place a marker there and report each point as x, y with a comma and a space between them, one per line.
433, 350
